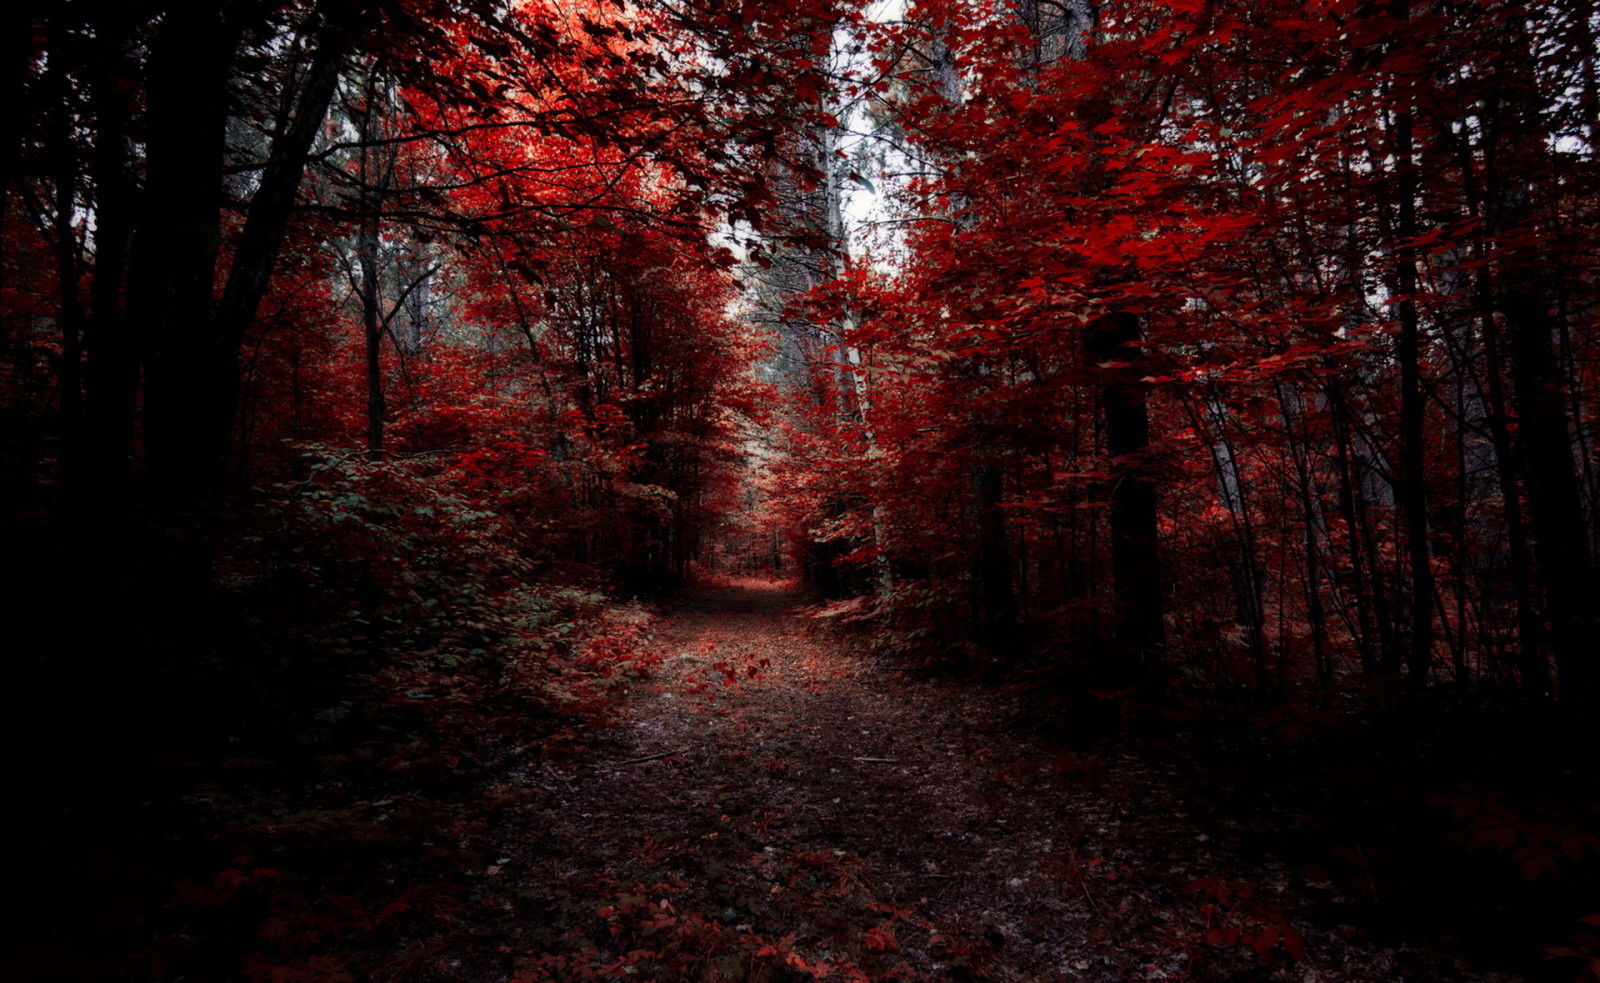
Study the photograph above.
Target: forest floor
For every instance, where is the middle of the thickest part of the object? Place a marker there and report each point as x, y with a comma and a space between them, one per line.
741, 791
773, 806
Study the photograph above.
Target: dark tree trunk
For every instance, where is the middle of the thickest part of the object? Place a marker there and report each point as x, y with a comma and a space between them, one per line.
64, 172
1515, 172
1532, 655
16, 65
1360, 583
372, 329
1135, 542
995, 594
1413, 488
191, 353
175, 249
113, 362
1560, 540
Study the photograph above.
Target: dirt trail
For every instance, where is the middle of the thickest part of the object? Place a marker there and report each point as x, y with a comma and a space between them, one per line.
832, 754
771, 807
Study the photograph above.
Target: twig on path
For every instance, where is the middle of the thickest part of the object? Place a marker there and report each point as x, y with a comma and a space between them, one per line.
563, 779
880, 761
649, 757
1089, 897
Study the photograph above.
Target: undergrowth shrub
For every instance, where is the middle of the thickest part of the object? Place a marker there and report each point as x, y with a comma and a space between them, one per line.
408, 640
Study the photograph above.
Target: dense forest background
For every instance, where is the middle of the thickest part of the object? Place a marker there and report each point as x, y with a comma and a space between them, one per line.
1163, 361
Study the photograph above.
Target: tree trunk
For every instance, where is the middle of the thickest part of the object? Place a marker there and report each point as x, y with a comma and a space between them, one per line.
1413, 489
995, 594
372, 328
1560, 540
113, 359
175, 250
1364, 596
1135, 541
1244, 569
1515, 166
16, 65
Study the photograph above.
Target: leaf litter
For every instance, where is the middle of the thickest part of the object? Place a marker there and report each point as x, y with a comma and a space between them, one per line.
771, 805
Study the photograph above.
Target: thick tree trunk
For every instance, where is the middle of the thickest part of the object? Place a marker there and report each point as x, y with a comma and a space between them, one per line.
995, 595
192, 354
113, 360
1066, 32
1533, 659
175, 251
1560, 540
1515, 173
1135, 541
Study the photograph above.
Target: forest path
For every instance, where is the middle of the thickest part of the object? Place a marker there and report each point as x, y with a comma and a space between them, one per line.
771, 806
848, 786
813, 795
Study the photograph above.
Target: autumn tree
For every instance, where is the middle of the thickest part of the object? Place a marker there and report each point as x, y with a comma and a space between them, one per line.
1280, 264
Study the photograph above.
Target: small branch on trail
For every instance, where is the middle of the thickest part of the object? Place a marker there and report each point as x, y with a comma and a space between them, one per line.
880, 761
556, 776
649, 757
